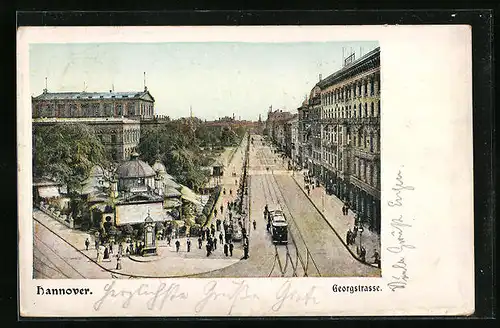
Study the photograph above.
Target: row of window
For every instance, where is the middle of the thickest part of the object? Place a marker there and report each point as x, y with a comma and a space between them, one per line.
366, 171
350, 111
354, 90
363, 140
91, 110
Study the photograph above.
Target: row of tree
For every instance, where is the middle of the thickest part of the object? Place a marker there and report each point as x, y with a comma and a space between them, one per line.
67, 152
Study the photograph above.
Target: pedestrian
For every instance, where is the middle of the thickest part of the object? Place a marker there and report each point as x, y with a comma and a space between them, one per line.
231, 247
87, 243
348, 237
231, 192
208, 249
362, 254
343, 210
254, 225
245, 251
188, 244
268, 226
118, 262
236, 182
221, 209
215, 243
177, 245
120, 249
131, 248
224, 192
215, 212
106, 253
226, 249
97, 243
220, 237
127, 251
200, 242
376, 257
110, 248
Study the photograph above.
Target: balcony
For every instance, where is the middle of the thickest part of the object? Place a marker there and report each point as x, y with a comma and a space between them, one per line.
365, 186
362, 153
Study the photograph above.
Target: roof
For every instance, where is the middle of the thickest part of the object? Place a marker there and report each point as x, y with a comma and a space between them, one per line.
135, 168
93, 95
348, 67
159, 167
88, 120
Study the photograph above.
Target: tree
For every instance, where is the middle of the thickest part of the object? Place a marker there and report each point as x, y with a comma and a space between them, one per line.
67, 153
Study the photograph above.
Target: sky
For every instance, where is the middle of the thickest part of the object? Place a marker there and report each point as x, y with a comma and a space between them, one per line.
215, 79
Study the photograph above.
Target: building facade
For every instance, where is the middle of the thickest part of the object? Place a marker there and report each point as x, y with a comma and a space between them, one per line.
338, 135
115, 116
350, 136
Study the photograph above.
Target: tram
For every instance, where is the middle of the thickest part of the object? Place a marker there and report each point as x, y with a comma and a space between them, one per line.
279, 227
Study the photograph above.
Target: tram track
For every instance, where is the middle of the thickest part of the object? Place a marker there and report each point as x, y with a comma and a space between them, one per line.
274, 197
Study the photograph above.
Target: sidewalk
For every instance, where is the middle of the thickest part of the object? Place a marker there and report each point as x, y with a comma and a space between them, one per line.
331, 209
233, 162
168, 262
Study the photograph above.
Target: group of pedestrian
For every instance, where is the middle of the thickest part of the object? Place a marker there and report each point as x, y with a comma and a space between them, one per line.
351, 236
345, 209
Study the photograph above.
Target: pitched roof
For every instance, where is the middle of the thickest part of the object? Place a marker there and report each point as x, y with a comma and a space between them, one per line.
93, 95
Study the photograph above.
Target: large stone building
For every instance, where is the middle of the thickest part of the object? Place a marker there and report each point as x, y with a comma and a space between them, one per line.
338, 135
115, 116
350, 135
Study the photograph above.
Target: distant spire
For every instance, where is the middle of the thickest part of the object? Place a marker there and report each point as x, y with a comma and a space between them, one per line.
145, 87
113, 87
45, 90
190, 111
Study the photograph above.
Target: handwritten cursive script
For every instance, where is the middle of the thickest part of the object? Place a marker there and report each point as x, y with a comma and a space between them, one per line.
157, 299
399, 188
401, 280
398, 228
241, 292
285, 292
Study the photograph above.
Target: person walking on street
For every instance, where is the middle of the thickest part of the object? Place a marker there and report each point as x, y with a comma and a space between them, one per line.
343, 209
177, 245
231, 192
226, 249
224, 192
87, 243
231, 247
254, 225
362, 254
169, 238
200, 242
208, 249
245, 251
118, 262
268, 225
221, 238
221, 209
215, 243
376, 257
215, 212
188, 244
348, 238
110, 248
96, 243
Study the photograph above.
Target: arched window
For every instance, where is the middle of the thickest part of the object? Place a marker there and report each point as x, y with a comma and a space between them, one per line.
366, 110
372, 110
360, 113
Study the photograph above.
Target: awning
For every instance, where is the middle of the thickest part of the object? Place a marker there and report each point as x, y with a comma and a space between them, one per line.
171, 184
171, 203
48, 192
189, 195
171, 192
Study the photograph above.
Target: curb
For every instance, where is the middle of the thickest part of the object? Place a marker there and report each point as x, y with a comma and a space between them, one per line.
126, 274
334, 230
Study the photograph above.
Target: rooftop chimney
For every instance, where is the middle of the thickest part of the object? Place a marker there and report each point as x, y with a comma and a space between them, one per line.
321, 77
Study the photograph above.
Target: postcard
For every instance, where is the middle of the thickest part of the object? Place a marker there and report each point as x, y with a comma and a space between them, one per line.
245, 171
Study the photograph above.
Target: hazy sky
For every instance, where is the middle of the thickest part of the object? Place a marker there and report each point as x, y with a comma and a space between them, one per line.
216, 79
